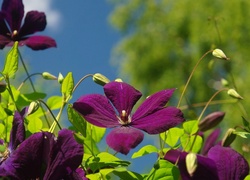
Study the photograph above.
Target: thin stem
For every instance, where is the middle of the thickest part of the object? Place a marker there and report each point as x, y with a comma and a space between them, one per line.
27, 78
26, 70
190, 76
80, 81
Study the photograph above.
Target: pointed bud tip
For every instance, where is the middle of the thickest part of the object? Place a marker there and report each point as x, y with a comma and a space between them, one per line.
48, 76
233, 93
100, 79
218, 53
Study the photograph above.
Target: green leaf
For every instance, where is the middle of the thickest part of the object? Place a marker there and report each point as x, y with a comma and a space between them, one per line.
67, 85
194, 140
191, 127
96, 133
247, 177
242, 134
123, 173
104, 160
3, 114
77, 120
11, 62
164, 170
79, 138
35, 124
54, 102
148, 149
172, 136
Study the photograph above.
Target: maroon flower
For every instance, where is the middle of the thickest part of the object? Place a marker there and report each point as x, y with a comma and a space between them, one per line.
220, 163
11, 17
152, 116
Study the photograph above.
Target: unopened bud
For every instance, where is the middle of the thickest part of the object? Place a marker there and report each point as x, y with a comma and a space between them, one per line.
219, 54
211, 120
233, 93
34, 105
100, 79
60, 78
224, 82
2, 87
191, 163
48, 76
118, 80
229, 137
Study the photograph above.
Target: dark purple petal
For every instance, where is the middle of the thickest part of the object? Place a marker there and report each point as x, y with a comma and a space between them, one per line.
230, 164
122, 139
13, 11
159, 121
78, 174
17, 134
65, 156
33, 22
122, 95
206, 168
153, 103
4, 41
210, 141
97, 110
26, 161
4, 30
39, 42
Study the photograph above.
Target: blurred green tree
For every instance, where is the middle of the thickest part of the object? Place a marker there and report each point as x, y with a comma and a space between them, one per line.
163, 40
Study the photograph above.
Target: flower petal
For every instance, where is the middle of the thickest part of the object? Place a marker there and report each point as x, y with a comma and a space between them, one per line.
122, 139
206, 168
159, 121
97, 110
4, 41
122, 95
66, 155
230, 164
39, 42
210, 141
33, 22
13, 11
17, 134
26, 161
153, 103
4, 30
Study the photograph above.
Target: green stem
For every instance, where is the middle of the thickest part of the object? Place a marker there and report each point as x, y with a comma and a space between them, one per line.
27, 78
26, 70
80, 81
190, 76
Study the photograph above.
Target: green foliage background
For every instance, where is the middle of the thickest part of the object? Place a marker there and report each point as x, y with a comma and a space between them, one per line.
163, 39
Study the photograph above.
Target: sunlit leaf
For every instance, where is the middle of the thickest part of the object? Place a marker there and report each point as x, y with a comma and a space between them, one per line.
67, 85
123, 173
54, 102
191, 127
172, 136
148, 149
35, 125
191, 143
11, 61
242, 134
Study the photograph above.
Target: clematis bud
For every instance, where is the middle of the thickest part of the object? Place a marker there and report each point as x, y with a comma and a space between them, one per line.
211, 120
224, 82
233, 93
2, 87
48, 76
219, 54
60, 78
34, 105
100, 79
229, 137
118, 80
191, 163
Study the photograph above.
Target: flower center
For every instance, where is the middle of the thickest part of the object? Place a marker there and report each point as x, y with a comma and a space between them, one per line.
14, 35
124, 118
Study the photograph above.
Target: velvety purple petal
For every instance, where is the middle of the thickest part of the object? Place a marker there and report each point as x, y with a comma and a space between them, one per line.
78, 174
26, 161
206, 168
13, 11
97, 110
33, 22
153, 103
17, 134
39, 42
4, 41
211, 141
122, 95
230, 164
4, 30
122, 139
65, 156
159, 121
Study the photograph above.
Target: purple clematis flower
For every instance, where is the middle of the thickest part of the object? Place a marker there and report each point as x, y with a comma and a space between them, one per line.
221, 163
152, 116
11, 17
24, 159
